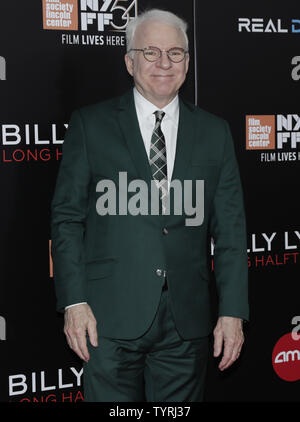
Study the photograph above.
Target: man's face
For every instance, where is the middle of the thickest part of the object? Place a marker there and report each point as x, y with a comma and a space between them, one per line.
157, 81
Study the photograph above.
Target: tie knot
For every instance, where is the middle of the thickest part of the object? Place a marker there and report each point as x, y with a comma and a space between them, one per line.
159, 115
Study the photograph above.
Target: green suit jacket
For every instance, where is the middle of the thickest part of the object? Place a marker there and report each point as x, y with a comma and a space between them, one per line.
111, 261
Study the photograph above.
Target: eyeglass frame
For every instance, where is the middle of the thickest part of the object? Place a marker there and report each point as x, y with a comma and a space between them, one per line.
160, 51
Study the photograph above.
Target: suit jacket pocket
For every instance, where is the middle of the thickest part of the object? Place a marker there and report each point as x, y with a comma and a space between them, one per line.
100, 268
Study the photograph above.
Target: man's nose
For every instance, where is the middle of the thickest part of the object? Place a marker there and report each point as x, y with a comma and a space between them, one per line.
164, 61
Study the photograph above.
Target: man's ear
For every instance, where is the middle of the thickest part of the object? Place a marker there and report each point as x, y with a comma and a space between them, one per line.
129, 64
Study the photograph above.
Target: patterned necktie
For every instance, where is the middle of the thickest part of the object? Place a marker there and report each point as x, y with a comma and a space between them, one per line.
158, 159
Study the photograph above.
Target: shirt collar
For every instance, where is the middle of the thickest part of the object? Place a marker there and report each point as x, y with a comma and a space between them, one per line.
146, 109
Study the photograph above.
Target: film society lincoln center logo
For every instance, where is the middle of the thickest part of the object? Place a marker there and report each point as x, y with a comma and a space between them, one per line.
277, 135
260, 132
75, 15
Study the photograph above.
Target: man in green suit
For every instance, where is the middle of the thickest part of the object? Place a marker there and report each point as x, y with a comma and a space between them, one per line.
134, 286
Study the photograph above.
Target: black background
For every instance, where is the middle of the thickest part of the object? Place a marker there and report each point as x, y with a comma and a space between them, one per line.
232, 74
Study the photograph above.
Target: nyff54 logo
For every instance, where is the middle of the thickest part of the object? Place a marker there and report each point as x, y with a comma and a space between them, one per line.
280, 133
84, 14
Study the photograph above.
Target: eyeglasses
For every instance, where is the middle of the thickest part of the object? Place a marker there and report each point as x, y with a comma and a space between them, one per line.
175, 54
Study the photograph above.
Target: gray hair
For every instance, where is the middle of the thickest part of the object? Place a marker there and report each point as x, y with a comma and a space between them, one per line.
163, 16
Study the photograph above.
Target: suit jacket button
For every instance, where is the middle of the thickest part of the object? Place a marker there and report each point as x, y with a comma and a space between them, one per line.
165, 231
159, 272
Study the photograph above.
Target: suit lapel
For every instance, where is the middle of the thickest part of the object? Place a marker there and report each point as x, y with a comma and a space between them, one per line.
185, 140
130, 128
184, 148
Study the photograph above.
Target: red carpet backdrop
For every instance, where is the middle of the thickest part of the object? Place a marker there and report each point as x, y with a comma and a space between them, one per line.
58, 55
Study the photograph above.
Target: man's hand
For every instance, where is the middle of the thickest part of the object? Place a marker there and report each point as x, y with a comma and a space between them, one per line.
80, 319
228, 330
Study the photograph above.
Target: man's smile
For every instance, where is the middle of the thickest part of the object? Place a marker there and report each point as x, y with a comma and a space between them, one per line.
162, 76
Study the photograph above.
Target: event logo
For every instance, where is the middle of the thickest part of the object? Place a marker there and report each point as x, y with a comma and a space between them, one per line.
29, 142
268, 25
2, 69
95, 16
260, 132
274, 249
42, 386
286, 354
60, 14
280, 133
2, 328
267, 250
296, 69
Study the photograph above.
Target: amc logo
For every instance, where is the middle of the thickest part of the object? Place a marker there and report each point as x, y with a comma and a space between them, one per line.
286, 358
291, 355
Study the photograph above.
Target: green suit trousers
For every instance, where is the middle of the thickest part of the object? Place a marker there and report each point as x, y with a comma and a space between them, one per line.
159, 366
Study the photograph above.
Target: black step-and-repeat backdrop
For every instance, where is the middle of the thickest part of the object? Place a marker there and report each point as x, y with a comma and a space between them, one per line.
58, 55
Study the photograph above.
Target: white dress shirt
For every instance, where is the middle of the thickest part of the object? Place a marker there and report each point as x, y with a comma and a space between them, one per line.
169, 127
